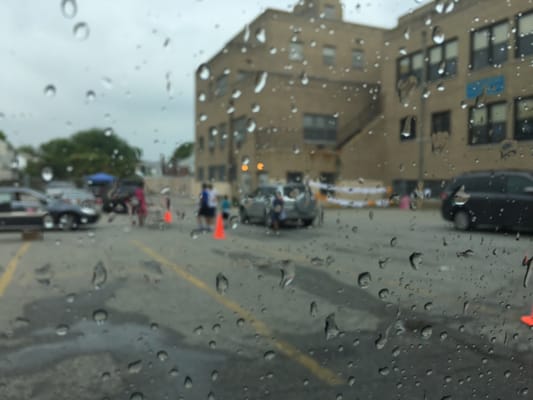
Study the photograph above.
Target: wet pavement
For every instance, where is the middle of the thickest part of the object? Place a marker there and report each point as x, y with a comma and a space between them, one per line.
332, 312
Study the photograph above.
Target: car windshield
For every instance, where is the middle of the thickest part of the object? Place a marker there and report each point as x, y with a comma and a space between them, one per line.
396, 265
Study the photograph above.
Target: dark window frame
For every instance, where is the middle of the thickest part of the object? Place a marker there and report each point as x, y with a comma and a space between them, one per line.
320, 135
200, 174
518, 38
300, 55
211, 139
451, 63
361, 63
325, 57
221, 85
489, 62
447, 113
488, 126
413, 127
518, 126
412, 72
239, 136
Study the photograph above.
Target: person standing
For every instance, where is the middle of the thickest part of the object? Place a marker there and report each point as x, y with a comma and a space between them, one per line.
212, 205
203, 209
277, 211
141, 208
226, 209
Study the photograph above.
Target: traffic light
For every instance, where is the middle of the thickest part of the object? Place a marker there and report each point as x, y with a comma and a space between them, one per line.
244, 168
260, 166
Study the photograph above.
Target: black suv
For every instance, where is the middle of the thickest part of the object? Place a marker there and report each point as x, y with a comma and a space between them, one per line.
501, 199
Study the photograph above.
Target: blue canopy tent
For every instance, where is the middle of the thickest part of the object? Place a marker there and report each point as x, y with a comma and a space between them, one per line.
100, 178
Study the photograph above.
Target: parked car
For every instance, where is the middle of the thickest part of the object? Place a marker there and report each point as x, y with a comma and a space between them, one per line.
299, 204
56, 188
115, 198
14, 219
80, 197
65, 216
501, 199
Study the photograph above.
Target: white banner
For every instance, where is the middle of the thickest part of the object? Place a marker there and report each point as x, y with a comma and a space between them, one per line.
358, 203
348, 190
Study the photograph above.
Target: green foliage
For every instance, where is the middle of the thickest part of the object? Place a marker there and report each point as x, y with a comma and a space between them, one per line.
183, 151
84, 153
3, 136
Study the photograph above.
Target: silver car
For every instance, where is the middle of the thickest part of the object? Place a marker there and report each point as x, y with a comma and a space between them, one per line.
300, 206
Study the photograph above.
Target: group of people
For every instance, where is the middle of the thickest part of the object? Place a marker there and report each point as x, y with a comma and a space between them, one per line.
136, 204
208, 206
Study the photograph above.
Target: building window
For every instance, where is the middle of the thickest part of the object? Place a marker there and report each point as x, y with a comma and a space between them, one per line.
212, 171
408, 128
487, 124
222, 173
443, 60
223, 136
358, 59
329, 55
295, 177
524, 35
489, 45
440, 122
329, 12
201, 143
296, 51
410, 65
221, 87
524, 119
239, 131
320, 129
211, 138
200, 174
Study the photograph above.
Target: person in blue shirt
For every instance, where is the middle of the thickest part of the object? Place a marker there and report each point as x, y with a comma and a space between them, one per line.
226, 208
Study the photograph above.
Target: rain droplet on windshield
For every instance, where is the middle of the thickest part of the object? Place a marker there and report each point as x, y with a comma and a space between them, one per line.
383, 294
99, 275
62, 330
260, 81
135, 367
426, 332
47, 174
269, 355
162, 355
331, 329
49, 90
100, 316
260, 35
313, 309
90, 96
222, 283
304, 78
69, 8
364, 279
204, 72
415, 259
187, 383
81, 31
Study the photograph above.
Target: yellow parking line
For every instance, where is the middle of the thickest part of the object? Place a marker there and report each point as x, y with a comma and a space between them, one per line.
6, 277
260, 327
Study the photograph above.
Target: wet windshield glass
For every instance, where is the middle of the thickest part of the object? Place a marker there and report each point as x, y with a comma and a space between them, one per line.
396, 264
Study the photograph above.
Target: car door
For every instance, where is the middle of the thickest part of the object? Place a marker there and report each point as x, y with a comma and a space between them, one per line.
518, 211
486, 198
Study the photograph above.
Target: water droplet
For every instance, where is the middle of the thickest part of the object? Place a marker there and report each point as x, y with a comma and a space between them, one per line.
47, 174
256, 108
304, 78
240, 322
269, 355
174, 372
428, 306
260, 35
464, 105
99, 275
441, 87
216, 328
162, 355
393, 241
69, 8
250, 125
313, 309
380, 342
351, 381
364, 279
49, 90
296, 149
202, 97
204, 72
202, 117
407, 34
137, 396
194, 234
383, 294
331, 329
212, 344
70, 298
382, 262
443, 335
260, 81
62, 330
415, 259
100, 316
90, 96
214, 375
135, 367
236, 94
187, 383
199, 330
438, 36
426, 332
222, 283
81, 31
166, 42
384, 371
355, 229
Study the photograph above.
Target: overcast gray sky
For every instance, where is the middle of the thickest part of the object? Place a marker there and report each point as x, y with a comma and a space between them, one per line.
125, 63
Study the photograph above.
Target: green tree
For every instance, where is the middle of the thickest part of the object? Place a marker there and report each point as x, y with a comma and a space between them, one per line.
182, 152
86, 152
3, 136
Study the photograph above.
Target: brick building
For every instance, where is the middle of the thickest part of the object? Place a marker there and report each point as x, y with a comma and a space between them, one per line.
304, 94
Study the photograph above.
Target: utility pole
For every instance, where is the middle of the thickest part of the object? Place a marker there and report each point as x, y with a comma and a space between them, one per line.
422, 118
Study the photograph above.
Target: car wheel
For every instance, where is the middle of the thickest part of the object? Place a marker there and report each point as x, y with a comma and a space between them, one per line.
243, 216
68, 222
308, 221
461, 220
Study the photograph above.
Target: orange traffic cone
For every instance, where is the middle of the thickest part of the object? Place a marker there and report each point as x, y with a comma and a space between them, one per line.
219, 229
527, 319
